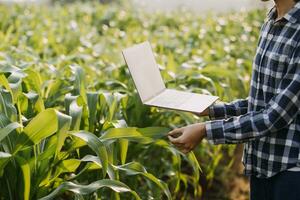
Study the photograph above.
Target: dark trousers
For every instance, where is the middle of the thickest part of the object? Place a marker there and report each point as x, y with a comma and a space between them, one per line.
283, 186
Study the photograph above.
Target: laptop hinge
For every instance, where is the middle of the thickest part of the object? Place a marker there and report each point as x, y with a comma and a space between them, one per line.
148, 99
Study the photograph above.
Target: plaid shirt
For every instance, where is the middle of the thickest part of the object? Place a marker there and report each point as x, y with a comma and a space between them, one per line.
268, 121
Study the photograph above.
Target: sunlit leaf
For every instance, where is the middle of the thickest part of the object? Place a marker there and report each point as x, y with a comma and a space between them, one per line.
8, 129
135, 168
96, 145
26, 176
40, 127
116, 186
4, 158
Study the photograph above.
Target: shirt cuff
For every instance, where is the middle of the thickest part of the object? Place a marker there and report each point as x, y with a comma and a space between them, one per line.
217, 111
215, 132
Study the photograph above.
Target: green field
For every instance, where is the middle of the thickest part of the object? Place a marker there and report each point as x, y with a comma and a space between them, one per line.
72, 125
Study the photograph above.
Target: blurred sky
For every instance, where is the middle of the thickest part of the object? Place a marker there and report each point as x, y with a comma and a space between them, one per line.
200, 5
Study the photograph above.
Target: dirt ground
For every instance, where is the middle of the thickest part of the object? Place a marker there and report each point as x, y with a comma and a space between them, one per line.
239, 185
231, 184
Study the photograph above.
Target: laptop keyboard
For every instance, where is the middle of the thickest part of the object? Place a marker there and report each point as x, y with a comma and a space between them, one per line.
171, 98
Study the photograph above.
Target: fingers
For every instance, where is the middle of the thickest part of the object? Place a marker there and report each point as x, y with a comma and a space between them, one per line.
184, 148
175, 136
176, 132
175, 141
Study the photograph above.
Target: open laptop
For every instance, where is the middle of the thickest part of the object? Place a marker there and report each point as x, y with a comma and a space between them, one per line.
150, 85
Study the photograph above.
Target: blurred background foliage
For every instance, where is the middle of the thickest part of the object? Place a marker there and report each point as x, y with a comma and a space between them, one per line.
70, 115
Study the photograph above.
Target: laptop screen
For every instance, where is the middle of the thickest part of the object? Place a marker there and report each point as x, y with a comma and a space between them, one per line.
144, 70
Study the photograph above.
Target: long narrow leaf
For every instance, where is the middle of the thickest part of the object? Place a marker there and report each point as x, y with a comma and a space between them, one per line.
8, 129
64, 123
125, 133
76, 114
26, 176
135, 168
95, 160
4, 158
96, 145
6, 104
92, 100
42, 126
123, 150
116, 186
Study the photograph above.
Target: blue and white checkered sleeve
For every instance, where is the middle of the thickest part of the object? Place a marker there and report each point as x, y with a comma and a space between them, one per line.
225, 110
279, 113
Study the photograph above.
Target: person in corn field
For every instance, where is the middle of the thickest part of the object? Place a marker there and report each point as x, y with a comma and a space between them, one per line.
268, 120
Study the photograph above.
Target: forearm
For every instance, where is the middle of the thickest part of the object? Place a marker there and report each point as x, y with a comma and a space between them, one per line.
226, 110
282, 109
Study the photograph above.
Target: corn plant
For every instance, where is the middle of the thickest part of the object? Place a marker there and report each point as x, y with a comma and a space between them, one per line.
71, 123
69, 146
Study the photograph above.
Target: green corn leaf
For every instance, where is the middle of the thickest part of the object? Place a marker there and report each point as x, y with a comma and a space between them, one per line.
57, 88
75, 111
112, 101
191, 158
154, 132
116, 186
6, 104
94, 163
126, 133
64, 124
141, 135
36, 100
40, 127
92, 102
26, 176
70, 165
32, 96
15, 84
4, 158
4, 121
96, 145
176, 160
194, 162
66, 166
114, 124
11, 69
8, 143
79, 86
4, 82
117, 133
48, 152
123, 150
88, 166
33, 81
132, 168
135, 168
8, 129
68, 100
95, 160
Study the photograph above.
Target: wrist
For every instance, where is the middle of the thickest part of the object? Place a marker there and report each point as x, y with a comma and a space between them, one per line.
203, 129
